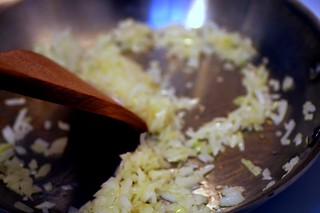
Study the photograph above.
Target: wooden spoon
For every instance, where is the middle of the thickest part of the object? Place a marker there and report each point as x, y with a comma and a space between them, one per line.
31, 74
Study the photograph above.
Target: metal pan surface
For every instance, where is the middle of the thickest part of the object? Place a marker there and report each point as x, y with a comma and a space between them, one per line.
282, 31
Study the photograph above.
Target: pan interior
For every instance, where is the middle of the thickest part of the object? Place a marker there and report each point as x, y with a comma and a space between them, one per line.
281, 31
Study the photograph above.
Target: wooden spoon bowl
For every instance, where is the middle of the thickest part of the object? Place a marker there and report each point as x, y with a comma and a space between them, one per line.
31, 74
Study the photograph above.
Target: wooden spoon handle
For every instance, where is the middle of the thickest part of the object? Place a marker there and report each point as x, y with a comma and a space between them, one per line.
31, 74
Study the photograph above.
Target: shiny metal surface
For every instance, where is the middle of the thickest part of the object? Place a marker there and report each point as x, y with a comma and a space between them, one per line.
281, 30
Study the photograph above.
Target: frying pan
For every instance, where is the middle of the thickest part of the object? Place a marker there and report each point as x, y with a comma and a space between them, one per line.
283, 31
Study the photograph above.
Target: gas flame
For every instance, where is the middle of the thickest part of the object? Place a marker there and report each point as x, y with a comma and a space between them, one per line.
197, 14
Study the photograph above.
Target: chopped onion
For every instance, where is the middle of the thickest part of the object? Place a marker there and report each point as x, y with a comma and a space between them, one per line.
23, 207
15, 101
45, 204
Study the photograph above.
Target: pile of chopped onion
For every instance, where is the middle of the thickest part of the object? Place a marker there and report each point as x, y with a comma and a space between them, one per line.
158, 176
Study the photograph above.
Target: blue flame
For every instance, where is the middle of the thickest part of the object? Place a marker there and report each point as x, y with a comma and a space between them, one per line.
164, 12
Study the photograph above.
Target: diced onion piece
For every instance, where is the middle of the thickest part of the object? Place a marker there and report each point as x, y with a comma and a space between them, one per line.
287, 83
9, 134
63, 126
271, 183
266, 174
232, 196
255, 170
290, 165
45, 204
43, 171
282, 111
23, 207
40, 145
15, 101
289, 127
57, 147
